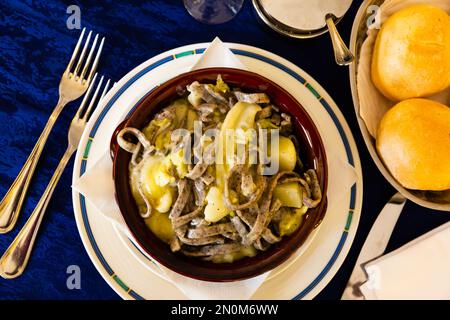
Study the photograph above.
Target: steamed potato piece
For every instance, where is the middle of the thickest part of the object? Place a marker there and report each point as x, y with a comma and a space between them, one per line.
215, 208
156, 183
290, 222
290, 194
165, 202
160, 224
177, 159
287, 156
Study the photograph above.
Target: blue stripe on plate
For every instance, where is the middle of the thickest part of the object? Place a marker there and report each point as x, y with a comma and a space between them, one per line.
341, 131
139, 102
135, 295
270, 61
325, 270
94, 244
353, 197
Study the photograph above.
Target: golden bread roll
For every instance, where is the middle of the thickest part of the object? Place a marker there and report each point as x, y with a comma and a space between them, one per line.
414, 142
411, 57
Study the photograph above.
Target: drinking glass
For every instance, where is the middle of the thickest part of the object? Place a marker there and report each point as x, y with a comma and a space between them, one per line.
213, 11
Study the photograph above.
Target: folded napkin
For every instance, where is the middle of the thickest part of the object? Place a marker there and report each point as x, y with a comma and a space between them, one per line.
418, 270
341, 177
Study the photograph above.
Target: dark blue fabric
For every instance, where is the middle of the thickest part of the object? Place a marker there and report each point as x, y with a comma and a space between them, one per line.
35, 45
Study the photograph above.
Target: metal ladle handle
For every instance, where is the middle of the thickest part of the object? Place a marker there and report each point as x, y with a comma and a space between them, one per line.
342, 54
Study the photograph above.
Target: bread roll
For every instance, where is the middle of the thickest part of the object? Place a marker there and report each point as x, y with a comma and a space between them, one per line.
411, 57
414, 142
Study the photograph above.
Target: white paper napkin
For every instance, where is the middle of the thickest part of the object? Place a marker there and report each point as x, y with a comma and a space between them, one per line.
100, 173
218, 55
418, 270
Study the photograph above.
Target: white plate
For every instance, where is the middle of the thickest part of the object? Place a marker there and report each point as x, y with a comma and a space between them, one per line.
129, 272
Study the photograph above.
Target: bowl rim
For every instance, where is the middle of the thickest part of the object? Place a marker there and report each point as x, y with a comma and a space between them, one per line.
282, 253
355, 47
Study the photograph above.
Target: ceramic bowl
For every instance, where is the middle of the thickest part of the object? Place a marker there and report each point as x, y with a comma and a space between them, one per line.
312, 153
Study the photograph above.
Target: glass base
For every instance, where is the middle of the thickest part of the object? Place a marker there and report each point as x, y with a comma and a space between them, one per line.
213, 11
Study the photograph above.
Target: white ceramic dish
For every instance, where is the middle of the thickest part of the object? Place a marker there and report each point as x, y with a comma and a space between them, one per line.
132, 274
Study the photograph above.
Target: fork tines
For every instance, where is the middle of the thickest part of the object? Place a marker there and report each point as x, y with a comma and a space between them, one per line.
85, 109
77, 71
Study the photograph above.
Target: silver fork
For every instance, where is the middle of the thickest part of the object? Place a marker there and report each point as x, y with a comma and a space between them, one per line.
74, 82
15, 258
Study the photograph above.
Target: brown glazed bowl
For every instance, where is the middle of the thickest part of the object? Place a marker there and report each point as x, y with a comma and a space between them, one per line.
312, 153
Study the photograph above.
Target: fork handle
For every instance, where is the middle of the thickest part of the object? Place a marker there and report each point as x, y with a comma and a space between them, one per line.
12, 201
15, 258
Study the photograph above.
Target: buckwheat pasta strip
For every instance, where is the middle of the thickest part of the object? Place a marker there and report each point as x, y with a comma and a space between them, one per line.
185, 219
180, 203
214, 250
202, 241
216, 229
254, 198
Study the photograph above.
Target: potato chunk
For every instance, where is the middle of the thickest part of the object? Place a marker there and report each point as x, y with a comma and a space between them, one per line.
161, 226
290, 194
287, 156
215, 208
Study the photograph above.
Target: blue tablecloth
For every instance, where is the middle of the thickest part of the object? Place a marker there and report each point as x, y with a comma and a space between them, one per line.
35, 44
